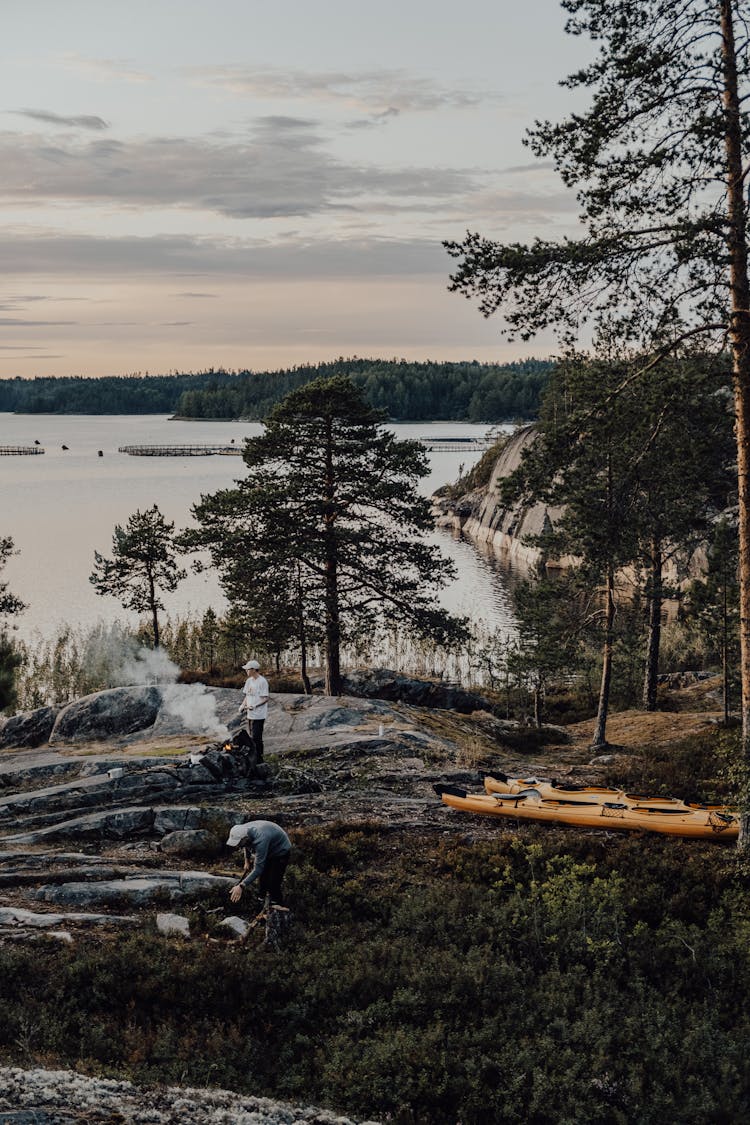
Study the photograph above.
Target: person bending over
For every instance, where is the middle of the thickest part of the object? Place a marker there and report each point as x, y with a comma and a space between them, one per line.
270, 846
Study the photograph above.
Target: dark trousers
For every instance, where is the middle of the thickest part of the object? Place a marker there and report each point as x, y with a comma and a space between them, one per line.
273, 873
255, 730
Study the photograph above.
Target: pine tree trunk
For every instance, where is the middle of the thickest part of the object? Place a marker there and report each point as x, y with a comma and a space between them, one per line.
725, 641
654, 629
739, 334
537, 705
306, 685
333, 626
333, 632
154, 613
600, 731
725, 679
302, 636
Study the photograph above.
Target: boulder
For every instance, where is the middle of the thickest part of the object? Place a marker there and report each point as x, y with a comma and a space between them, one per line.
162, 886
107, 714
382, 683
28, 729
217, 821
191, 841
173, 925
234, 925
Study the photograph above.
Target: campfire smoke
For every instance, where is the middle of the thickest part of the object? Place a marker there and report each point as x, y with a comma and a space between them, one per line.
192, 704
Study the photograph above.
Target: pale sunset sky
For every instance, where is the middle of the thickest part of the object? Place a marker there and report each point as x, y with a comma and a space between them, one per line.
242, 184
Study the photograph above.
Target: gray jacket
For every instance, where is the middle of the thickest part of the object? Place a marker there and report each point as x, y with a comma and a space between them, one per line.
267, 841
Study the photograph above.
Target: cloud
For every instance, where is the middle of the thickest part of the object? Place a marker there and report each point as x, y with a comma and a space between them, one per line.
84, 121
40, 355
374, 91
282, 169
104, 70
535, 166
49, 255
374, 122
15, 322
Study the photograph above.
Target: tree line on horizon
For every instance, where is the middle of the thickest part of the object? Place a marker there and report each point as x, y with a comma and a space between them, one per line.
404, 390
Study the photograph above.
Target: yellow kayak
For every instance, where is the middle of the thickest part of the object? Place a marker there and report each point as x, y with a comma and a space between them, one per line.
590, 794
529, 804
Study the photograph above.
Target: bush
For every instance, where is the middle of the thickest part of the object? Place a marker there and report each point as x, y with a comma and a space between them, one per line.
542, 975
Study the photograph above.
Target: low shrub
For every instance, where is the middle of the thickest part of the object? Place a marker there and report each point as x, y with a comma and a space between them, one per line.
541, 975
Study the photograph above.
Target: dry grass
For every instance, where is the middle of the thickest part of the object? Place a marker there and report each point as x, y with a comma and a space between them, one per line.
632, 730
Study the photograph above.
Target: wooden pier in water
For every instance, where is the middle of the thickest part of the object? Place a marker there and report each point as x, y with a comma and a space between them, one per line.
433, 445
20, 450
455, 445
181, 450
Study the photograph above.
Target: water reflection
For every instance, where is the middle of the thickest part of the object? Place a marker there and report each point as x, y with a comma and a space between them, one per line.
483, 589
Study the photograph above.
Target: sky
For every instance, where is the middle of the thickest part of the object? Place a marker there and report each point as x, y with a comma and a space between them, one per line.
254, 185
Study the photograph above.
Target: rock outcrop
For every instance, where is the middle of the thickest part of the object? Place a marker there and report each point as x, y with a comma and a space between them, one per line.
30, 728
508, 530
382, 683
125, 715
61, 1097
483, 517
107, 714
139, 823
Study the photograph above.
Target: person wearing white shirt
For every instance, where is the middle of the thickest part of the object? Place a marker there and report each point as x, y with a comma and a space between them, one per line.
255, 704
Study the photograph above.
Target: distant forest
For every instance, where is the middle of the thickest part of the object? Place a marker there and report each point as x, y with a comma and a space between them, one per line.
472, 392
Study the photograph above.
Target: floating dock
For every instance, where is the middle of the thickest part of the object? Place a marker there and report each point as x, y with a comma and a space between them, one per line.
433, 445
455, 445
20, 450
181, 450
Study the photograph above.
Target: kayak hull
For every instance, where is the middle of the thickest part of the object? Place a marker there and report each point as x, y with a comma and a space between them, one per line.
607, 816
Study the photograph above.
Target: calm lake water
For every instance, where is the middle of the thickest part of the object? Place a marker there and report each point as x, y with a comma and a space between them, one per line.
62, 506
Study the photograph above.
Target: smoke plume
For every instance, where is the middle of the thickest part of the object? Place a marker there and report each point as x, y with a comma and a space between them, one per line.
192, 704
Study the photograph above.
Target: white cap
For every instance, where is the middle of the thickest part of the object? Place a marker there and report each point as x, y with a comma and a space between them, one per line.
251, 664
237, 835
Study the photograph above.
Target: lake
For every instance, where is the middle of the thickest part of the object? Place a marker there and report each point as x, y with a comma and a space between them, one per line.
62, 506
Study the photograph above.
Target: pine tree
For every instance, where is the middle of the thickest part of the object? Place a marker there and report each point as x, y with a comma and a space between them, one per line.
548, 612
142, 567
10, 605
659, 161
636, 483
713, 602
326, 531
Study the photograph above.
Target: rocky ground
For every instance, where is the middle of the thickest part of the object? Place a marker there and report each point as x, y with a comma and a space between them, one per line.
62, 1097
114, 812
117, 812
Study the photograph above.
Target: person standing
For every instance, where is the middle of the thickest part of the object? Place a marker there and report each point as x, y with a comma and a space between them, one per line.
271, 847
255, 704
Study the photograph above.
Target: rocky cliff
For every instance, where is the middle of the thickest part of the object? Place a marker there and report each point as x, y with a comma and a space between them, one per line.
484, 518
507, 529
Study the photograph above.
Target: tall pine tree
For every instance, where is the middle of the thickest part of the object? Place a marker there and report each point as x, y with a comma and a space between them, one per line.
659, 161
328, 527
